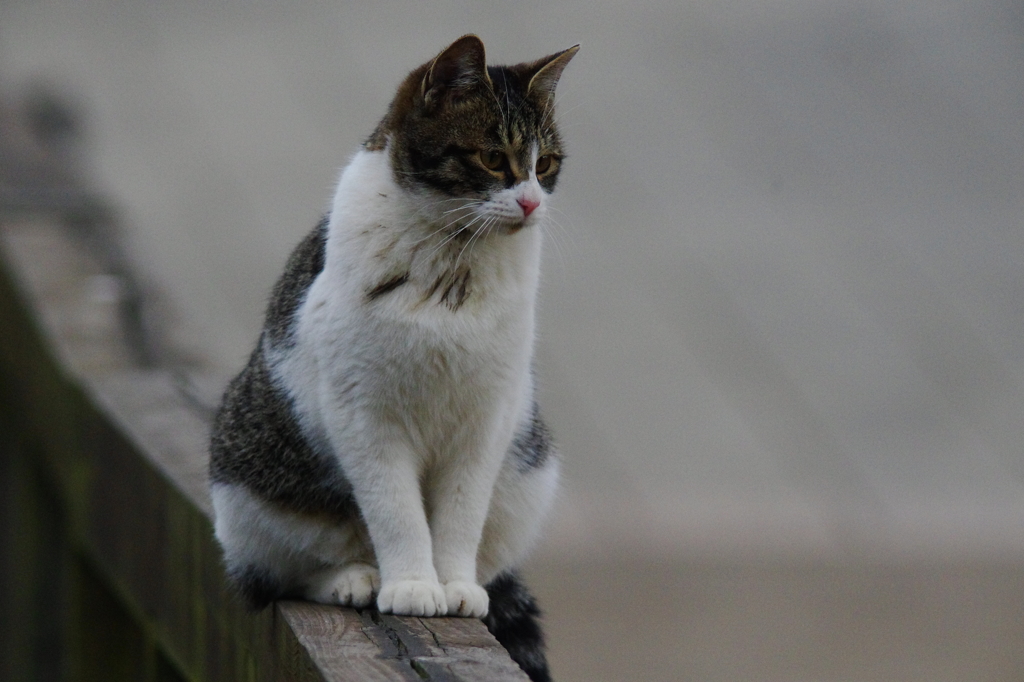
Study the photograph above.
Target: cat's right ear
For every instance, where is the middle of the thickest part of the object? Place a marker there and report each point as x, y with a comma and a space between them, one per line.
459, 68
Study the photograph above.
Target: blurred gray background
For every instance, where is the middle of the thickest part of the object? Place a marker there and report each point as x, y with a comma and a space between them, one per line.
782, 325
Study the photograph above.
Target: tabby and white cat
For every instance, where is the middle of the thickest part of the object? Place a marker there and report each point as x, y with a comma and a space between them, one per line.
384, 439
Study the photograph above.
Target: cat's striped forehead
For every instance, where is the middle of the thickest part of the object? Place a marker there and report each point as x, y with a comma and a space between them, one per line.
521, 120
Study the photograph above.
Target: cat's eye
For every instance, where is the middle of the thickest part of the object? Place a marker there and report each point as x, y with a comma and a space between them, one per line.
492, 160
544, 164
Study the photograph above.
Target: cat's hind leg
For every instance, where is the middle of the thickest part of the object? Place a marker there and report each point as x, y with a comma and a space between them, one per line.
523, 494
272, 553
352, 585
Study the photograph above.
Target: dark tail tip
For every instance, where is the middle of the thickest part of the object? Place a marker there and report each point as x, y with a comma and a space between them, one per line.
514, 620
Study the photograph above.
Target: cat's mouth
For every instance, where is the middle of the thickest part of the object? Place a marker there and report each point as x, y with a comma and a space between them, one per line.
501, 224
510, 226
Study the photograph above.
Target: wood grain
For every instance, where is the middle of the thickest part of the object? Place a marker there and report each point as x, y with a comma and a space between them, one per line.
367, 645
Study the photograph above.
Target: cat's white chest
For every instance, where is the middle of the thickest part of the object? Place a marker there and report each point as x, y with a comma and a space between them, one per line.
385, 331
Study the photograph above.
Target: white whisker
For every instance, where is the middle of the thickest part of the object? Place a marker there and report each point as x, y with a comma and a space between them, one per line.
455, 234
476, 235
556, 236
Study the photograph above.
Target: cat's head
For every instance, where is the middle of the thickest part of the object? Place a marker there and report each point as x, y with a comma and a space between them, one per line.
478, 143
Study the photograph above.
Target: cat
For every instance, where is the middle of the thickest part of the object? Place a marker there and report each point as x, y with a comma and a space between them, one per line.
384, 444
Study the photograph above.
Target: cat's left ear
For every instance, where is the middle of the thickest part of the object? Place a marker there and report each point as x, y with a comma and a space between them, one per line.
459, 68
542, 75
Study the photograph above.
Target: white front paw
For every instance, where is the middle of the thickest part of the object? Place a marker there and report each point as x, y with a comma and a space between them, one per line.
412, 598
353, 585
466, 599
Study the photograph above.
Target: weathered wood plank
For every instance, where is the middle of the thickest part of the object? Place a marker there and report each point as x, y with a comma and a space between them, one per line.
470, 652
340, 645
367, 645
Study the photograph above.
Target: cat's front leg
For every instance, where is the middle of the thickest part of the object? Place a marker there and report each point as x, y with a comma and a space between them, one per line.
385, 479
459, 495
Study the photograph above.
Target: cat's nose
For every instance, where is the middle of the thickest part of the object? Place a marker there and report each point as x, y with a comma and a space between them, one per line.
528, 205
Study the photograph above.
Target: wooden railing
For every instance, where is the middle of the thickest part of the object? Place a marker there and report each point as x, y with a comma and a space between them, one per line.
108, 563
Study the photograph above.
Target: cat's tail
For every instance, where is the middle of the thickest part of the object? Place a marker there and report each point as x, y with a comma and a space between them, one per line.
514, 620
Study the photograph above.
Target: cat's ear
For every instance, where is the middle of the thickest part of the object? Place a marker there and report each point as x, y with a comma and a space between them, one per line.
542, 75
459, 68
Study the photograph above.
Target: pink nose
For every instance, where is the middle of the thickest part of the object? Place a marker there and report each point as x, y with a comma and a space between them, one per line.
528, 205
